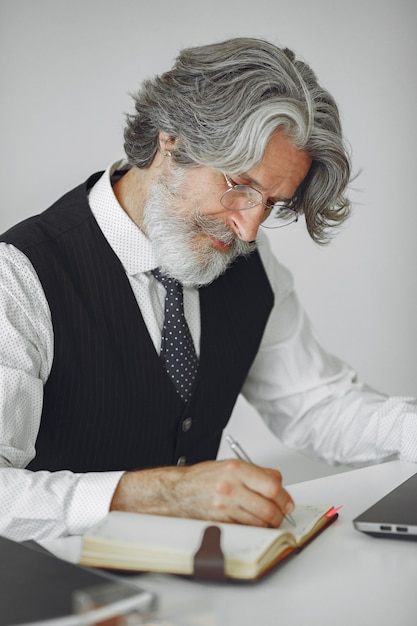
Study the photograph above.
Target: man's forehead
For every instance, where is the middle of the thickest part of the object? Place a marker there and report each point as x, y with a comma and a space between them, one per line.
282, 166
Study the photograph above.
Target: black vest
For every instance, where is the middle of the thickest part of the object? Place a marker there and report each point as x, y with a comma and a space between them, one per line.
108, 403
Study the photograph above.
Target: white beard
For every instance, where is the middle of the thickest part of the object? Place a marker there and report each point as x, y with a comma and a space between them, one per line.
179, 252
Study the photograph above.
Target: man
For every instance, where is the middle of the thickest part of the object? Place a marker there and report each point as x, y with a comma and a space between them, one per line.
237, 136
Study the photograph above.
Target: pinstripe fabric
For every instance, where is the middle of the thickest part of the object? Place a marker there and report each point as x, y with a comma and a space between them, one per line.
108, 403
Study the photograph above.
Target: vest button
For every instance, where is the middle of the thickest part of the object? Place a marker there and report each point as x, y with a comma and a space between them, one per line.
186, 424
182, 460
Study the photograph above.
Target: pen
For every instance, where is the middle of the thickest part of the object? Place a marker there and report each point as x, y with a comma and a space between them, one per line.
241, 454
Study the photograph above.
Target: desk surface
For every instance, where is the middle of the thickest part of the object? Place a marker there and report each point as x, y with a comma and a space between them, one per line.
342, 577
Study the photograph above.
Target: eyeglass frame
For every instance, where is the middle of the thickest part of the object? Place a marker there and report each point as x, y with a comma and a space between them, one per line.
289, 205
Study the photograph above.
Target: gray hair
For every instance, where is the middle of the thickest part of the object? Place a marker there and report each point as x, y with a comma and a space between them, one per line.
223, 101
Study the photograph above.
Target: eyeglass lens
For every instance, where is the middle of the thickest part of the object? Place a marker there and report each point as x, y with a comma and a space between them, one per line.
241, 197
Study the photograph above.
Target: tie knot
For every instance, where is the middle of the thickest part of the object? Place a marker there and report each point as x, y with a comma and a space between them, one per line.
170, 284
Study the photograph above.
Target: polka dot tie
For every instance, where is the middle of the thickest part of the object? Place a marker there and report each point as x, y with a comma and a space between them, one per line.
177, 346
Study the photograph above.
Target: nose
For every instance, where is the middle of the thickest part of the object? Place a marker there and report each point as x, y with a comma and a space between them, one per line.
245, 224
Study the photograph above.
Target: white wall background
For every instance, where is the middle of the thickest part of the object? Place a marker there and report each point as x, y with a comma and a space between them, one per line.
67, 67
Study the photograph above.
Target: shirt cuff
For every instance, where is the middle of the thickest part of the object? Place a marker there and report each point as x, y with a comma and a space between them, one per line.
91, 500
409, 438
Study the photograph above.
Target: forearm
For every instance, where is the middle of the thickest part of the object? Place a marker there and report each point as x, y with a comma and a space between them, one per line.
314, 403
357, 427
228, 491
152, 491
341, 420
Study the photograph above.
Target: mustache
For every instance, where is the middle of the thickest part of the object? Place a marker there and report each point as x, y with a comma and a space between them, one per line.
212, 227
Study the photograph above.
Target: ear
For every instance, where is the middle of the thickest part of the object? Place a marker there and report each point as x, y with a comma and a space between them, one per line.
166, 142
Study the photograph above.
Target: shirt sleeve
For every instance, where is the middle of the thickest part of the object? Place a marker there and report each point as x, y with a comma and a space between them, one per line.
312, 400
35, 505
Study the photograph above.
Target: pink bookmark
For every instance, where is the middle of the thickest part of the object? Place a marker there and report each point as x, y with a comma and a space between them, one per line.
334, 510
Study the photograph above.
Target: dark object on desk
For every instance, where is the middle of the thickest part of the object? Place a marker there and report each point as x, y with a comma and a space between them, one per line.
395, 515
35, 585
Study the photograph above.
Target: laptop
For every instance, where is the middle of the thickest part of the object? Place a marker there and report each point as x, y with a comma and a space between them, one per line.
395, 515
38, 588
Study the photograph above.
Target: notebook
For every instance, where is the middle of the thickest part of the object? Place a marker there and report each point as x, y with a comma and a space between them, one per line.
395, 515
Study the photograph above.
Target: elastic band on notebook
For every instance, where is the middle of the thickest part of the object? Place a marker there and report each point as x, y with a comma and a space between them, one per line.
209, 558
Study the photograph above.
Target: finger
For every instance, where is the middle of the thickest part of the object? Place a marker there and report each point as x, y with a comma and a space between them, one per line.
241, 516
272, 502
283, 499
248, 507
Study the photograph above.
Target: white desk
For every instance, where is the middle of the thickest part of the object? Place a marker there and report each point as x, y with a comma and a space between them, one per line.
343, 577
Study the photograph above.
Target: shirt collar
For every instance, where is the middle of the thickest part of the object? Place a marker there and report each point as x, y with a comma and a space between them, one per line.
129, 243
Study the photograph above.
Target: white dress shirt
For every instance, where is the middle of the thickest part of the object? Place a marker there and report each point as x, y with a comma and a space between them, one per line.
309, 399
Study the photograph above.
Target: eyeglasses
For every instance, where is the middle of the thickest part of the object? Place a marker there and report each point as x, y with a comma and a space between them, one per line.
242, 197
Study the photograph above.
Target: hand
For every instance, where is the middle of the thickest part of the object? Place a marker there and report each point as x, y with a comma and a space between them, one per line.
223, 491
